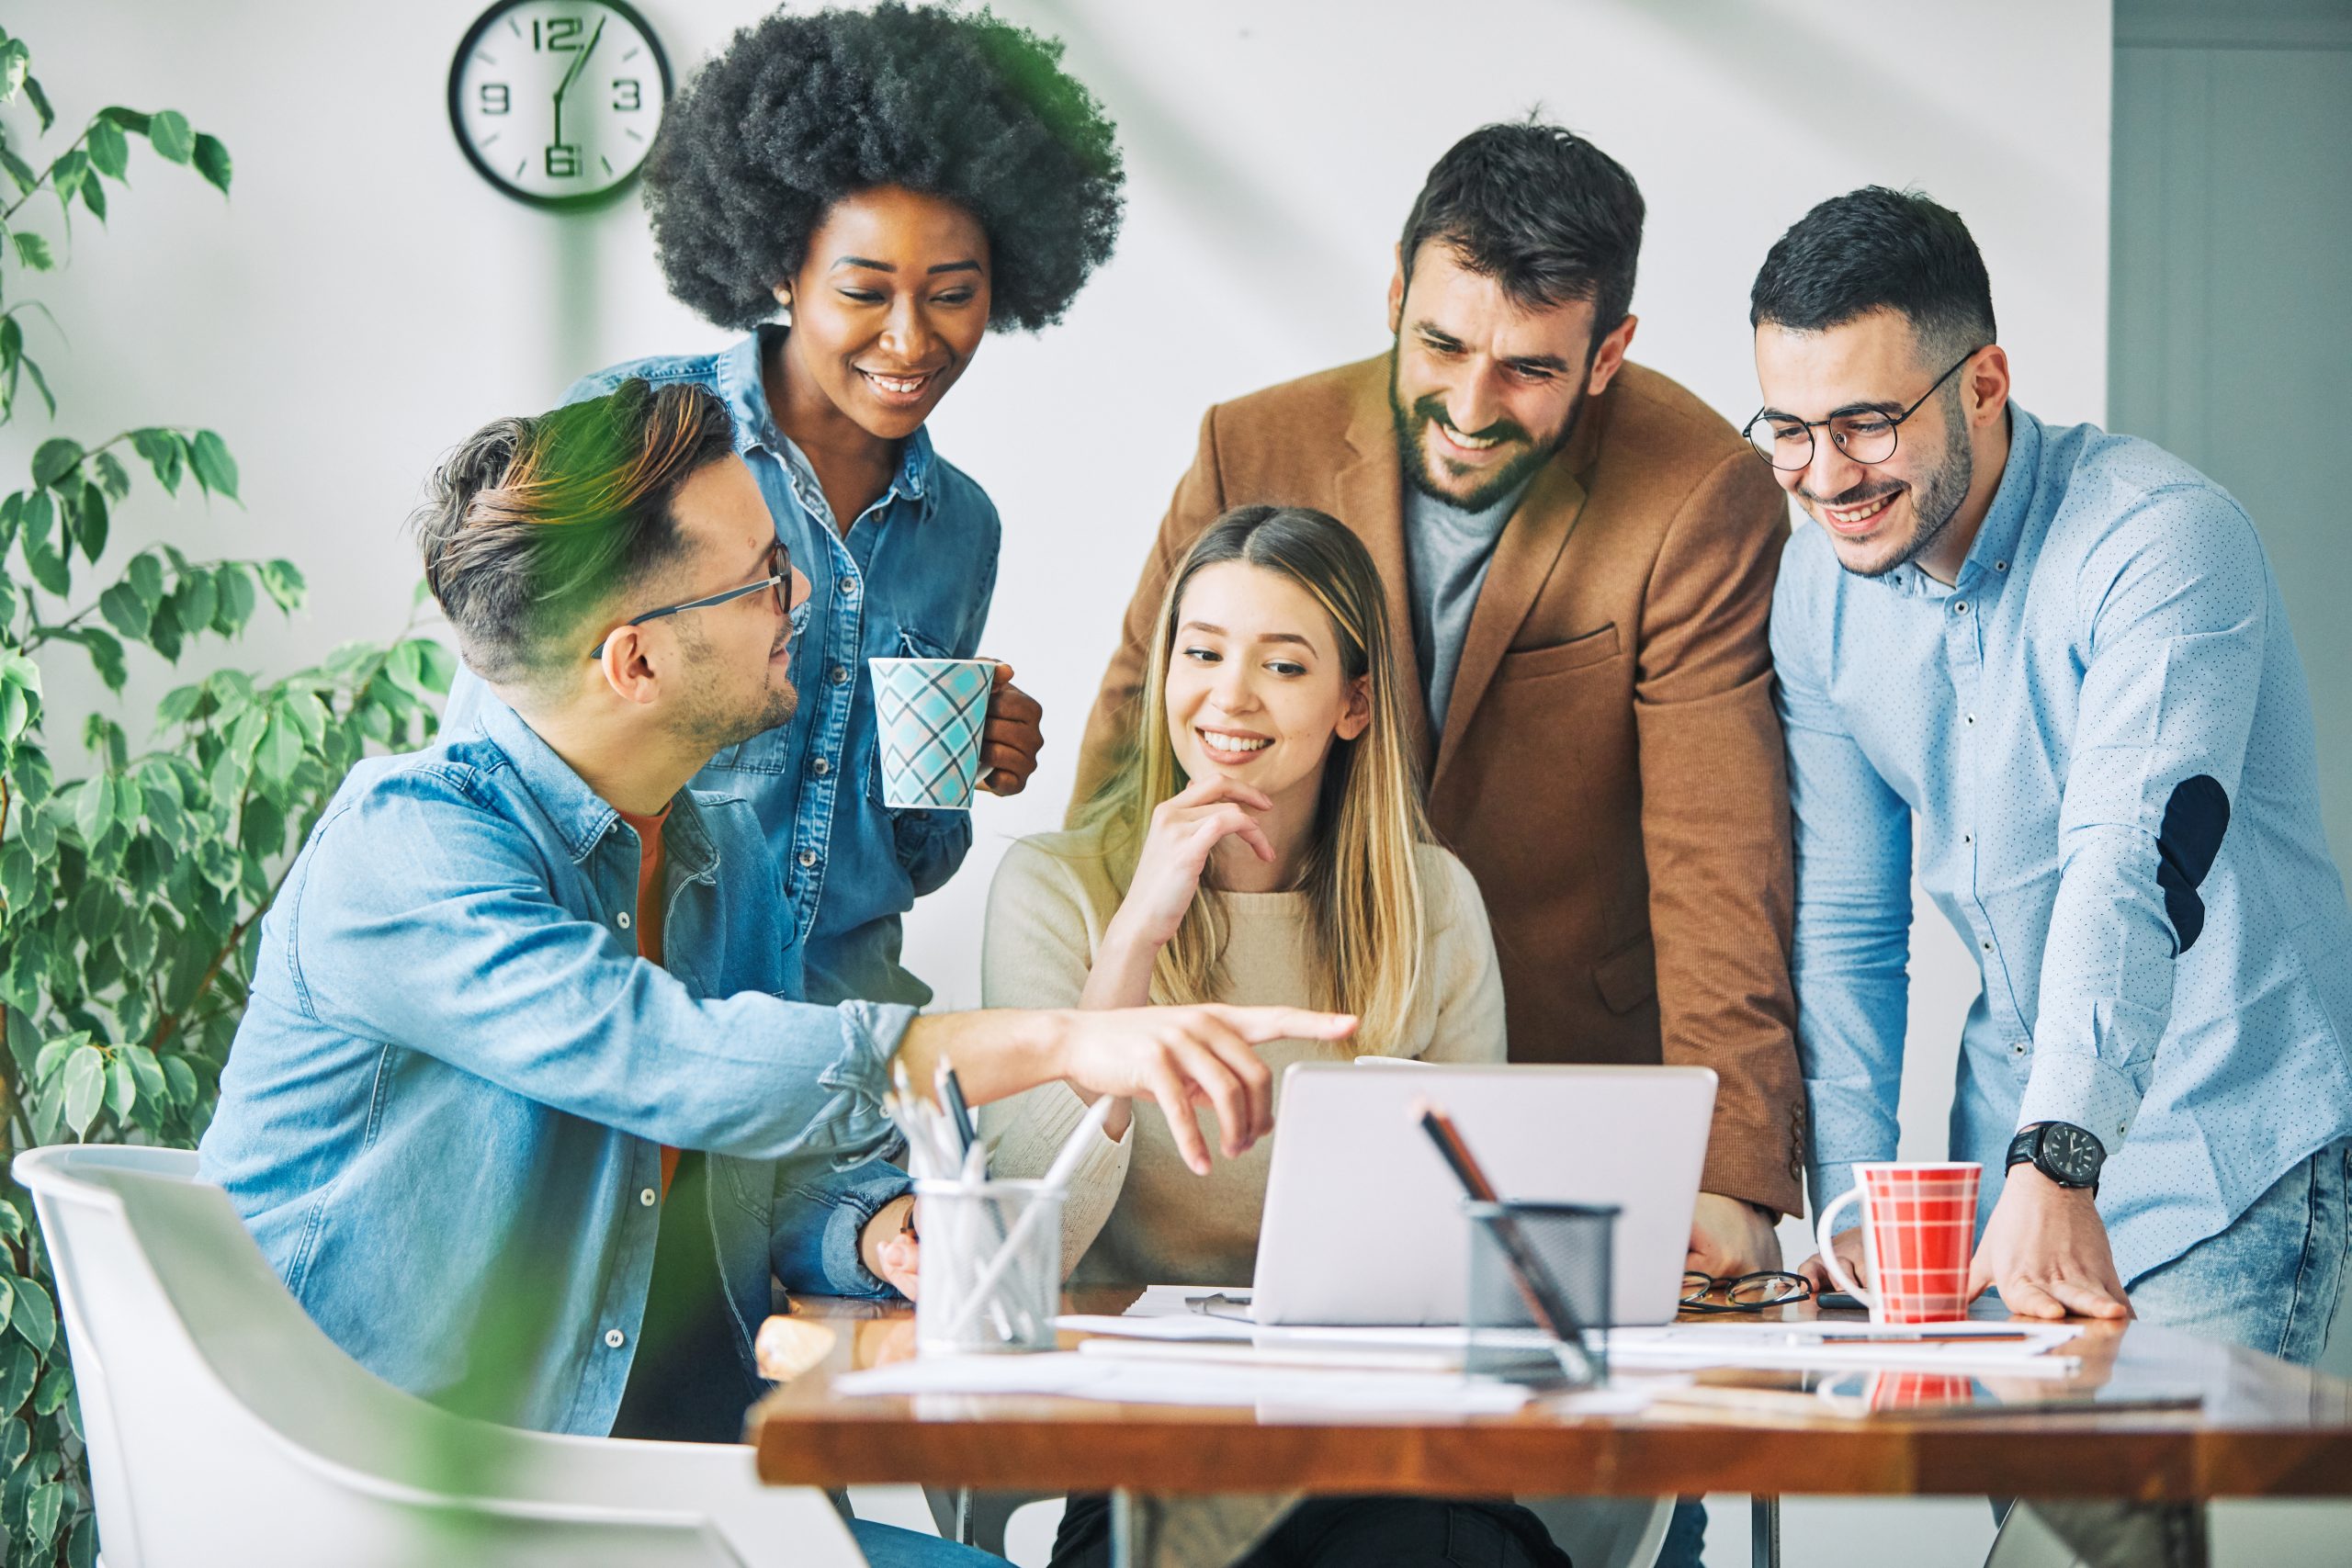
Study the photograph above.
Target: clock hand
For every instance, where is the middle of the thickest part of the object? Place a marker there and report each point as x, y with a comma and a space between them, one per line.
577, 61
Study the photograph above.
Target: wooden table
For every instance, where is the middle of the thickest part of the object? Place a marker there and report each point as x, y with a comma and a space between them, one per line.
2265, 1428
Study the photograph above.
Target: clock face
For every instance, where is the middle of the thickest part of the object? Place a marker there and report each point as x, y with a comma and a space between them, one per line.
557, 101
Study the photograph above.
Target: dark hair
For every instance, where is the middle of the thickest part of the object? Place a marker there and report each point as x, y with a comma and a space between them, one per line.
1876, 248
532, 525
801, 111
1539, 209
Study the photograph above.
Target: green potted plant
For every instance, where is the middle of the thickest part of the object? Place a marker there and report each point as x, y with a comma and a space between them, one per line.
134, 867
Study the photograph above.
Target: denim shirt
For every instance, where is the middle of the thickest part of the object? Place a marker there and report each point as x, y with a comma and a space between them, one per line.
443, 1114
913, 575
2103, 734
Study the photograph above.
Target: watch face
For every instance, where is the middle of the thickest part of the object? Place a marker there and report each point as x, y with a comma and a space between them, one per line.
557, 101
2071, 1154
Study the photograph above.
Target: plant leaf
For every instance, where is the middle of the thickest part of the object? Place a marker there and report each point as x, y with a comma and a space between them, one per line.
44, 1505
131, 120
54, 459
15, 60
162, 450
215, 469
125, 610
94, 197
33, 251
106, 657
85, 1089
122, 1091
169, 133
108, 148
280, 750
94, 809
212, 161
282, 580
41, 102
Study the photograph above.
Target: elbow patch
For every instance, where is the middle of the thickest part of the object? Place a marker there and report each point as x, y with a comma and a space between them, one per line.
2195, 819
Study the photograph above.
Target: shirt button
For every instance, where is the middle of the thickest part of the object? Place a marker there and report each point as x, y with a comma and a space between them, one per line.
1967, 839
821, 767
838, 674
623, 919
2017, 1049
1971, 718
1959, 606
1985, 945
613, 1338
2000, 566
807, 858
648, 1197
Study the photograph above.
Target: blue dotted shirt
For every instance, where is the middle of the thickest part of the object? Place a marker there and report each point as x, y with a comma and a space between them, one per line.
2102, 736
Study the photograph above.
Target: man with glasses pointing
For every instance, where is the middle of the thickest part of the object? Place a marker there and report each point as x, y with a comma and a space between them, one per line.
2061, 657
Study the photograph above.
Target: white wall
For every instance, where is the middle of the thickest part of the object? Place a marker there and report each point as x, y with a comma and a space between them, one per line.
365, 299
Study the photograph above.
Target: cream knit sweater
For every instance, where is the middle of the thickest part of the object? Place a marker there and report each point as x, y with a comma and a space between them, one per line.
1134, 1214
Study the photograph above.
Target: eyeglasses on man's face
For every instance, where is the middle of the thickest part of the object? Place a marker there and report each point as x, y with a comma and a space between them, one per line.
1745, 1292
779, 580
1867, 435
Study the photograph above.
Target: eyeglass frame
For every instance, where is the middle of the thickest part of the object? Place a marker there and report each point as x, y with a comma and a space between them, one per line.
1696, 1300
779, 555
1894, 424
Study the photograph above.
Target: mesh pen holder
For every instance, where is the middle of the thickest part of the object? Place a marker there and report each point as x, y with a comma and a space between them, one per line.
992, 1267
1523, 1253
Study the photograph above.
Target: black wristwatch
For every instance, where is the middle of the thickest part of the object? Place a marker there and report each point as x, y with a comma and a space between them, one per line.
2066, 1153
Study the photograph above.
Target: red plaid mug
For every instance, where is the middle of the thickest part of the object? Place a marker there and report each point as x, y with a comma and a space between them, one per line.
1918, 1232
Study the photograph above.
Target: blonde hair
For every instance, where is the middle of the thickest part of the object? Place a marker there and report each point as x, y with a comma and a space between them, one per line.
1369, 915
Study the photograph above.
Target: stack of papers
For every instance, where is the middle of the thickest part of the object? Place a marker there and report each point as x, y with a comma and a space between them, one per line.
1975, 1349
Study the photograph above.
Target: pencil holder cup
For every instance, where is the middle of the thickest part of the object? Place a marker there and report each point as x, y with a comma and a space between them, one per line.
992, 1267
1534, 1263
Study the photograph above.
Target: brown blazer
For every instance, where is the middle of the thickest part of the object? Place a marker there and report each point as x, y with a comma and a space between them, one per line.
1611, 768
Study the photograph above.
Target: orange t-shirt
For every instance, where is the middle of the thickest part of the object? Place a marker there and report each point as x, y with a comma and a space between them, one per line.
650, 904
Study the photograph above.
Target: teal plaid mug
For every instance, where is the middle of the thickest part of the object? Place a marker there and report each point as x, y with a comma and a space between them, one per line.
932, 711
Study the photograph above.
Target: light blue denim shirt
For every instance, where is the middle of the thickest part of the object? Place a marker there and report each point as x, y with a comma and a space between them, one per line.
913, 575
2114, 634
443, 1114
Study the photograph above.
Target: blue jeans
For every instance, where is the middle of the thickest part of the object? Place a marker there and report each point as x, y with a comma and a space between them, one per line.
887, 1545
2270, 1283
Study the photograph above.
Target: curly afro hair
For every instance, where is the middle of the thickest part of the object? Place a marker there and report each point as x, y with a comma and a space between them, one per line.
801, 111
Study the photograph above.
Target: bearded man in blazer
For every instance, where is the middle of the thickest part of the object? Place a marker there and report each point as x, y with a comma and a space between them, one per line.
1579, 556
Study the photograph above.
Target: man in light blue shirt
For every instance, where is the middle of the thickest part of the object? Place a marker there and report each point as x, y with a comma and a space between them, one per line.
518, 981
2046, 669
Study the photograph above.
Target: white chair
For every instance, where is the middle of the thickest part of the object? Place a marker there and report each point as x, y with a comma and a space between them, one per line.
225, 1426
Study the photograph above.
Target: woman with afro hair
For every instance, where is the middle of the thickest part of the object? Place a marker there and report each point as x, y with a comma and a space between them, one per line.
865, 194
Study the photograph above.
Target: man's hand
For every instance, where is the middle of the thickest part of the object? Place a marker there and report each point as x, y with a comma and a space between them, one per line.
890, 1247
1729, 1237
1189, 1056
2045, 1250
1849, 1246
1010, 739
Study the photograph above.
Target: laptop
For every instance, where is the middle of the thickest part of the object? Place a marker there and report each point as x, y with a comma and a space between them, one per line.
1364, 1222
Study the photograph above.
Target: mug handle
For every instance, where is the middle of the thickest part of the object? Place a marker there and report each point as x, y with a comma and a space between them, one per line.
1822, 1231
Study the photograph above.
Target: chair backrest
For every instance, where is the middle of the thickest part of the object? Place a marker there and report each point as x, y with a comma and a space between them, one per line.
224, 1425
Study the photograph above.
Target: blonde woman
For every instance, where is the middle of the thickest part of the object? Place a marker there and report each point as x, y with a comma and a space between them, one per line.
1264, 842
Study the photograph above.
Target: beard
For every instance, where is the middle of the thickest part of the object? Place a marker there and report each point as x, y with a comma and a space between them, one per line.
1934, 501
1413, 455
717, 718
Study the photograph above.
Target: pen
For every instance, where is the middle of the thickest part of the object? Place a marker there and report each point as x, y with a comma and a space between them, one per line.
951, 1095
1545, 1303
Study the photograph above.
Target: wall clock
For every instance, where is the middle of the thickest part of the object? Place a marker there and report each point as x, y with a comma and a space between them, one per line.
556, 101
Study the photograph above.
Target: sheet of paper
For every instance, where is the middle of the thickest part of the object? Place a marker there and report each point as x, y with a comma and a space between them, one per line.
1172, 1300
1302, 1389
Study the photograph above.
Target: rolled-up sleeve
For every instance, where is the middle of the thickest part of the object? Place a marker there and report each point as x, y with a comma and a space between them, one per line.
1853, 911
2174, 612
466, 956
821, 1219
